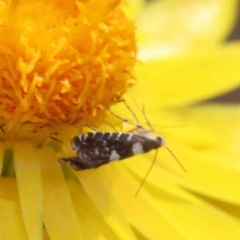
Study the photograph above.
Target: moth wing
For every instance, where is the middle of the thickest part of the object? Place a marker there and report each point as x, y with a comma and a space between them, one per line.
93, 157
88, 143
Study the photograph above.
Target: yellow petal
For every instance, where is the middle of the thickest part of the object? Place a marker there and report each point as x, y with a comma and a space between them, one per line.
133, 8
11, 221
203, 222
173, 27
99, 191
59, 217
213, 168
29, 187
207, 146
88, 214
191, 78
212, 130
45, 235
142, 212
180, 215
209, 179
206, 142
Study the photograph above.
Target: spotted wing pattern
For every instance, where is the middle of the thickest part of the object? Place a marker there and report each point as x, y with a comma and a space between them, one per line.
96, 149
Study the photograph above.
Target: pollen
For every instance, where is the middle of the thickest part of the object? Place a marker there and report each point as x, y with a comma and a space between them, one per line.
63, 61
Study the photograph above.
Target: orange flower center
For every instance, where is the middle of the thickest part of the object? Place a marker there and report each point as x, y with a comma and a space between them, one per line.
63, 62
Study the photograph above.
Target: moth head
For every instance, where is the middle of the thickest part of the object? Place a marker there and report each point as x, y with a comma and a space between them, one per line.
160, 140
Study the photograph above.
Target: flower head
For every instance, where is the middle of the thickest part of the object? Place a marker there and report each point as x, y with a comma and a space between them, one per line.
64, 63
61, 64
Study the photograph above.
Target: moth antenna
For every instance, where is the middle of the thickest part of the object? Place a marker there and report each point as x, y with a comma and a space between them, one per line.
94, 129
136, 103
146, 175
144, 114
174, 156
146, 119
111, 126
131, 111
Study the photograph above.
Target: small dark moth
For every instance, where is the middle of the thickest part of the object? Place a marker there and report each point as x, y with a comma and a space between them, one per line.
94, 149
97, 148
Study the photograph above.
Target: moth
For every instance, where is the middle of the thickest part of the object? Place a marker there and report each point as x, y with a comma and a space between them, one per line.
96, 148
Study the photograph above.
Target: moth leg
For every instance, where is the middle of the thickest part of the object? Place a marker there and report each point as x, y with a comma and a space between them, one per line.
78, 164
124, 119
67, 160
73, 161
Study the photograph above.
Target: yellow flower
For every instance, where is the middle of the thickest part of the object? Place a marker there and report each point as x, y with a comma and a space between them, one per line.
62, 63
186, 61
65, 62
